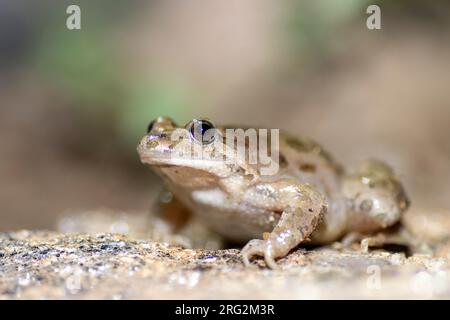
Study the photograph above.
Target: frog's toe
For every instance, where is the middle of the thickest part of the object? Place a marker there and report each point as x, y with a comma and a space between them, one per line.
375, 241
268, 256
364, 245
258, 247
252, 248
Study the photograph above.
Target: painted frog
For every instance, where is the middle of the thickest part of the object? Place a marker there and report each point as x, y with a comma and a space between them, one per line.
309, 198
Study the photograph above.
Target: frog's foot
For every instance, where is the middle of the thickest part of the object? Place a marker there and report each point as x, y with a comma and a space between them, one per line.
257, 247
365, 241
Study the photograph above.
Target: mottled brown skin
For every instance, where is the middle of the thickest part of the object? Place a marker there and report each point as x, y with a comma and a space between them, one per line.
309, 197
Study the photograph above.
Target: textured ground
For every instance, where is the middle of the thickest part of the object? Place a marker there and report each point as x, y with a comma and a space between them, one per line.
49, 265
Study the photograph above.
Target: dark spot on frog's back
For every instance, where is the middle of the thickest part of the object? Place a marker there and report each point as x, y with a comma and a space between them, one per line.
299, 145
307, 167
310, 146
307, 145
282, 162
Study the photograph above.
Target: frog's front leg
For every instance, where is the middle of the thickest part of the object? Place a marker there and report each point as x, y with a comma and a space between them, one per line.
288, 233
303, 209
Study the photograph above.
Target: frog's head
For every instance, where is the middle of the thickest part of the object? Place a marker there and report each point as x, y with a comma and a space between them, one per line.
192, 154
376, 196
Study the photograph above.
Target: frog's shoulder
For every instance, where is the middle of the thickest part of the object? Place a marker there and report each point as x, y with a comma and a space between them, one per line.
305, 145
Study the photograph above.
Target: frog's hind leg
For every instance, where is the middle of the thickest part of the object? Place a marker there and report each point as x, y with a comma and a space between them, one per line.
298, 220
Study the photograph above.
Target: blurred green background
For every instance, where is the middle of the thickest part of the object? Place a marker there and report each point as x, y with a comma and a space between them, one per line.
74, 104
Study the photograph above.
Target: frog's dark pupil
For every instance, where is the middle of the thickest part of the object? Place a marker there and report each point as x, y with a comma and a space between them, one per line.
199, 128
204, 126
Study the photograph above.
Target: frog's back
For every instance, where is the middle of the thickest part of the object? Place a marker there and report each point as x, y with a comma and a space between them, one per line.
310, 163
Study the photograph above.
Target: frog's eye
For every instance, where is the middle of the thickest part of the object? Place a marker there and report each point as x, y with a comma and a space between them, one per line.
161, 124
202, 131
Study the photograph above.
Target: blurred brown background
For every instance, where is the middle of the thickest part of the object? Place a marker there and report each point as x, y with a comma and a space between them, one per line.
74, 104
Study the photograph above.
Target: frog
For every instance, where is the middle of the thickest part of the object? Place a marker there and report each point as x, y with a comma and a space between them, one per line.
309, 198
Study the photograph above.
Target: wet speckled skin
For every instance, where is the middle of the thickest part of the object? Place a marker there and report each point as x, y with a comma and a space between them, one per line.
309, 197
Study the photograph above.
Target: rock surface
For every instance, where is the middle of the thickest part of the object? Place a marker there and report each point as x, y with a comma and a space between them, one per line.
50, 265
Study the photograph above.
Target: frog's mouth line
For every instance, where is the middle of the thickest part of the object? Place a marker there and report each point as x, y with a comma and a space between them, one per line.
163, 166
170, 161
156, 161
